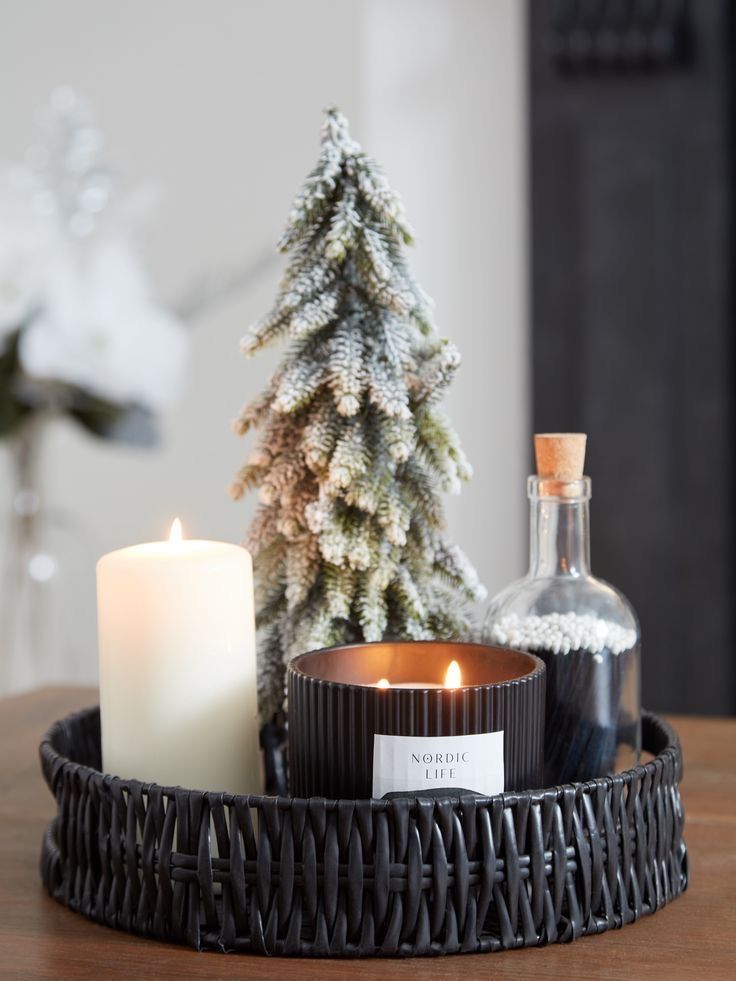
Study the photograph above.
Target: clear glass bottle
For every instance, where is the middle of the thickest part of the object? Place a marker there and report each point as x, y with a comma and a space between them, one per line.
46, 563
586, 632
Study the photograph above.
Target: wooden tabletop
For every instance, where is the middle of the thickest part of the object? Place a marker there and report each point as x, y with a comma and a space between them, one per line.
694, 937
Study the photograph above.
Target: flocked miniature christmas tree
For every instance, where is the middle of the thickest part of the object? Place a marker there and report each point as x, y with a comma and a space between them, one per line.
353, 454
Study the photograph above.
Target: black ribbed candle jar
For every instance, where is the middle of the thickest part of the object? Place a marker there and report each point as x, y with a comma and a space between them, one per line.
336, 709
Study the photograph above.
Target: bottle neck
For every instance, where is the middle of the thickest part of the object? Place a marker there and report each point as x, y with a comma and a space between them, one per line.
559, 533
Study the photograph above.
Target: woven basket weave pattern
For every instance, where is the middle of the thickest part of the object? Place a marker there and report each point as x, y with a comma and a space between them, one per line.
317, 877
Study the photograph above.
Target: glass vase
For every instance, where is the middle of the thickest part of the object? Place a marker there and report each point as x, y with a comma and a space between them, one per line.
31, 641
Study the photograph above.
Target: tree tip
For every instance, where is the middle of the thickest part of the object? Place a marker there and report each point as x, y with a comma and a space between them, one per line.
333, 115
335, 127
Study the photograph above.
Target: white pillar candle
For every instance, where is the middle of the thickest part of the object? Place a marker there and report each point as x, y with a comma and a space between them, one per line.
178, 665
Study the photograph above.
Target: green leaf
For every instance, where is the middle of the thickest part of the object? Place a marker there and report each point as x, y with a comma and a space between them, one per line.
132, 424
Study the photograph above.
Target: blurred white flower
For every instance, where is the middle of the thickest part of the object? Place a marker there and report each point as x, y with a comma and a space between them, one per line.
71, 281
99, 329
26, 243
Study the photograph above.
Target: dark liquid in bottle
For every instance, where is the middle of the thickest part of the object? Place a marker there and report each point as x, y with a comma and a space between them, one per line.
585, 728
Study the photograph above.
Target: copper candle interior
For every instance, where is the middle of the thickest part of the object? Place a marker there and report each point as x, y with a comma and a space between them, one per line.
417, 662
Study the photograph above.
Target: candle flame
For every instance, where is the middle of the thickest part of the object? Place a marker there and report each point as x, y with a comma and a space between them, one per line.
175, 535
383, 683
453, 678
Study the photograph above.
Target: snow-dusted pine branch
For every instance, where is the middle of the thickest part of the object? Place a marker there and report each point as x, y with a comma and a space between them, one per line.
353, 456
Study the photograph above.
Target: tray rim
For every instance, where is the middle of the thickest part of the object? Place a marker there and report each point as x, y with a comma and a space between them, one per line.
476, 874
52, 761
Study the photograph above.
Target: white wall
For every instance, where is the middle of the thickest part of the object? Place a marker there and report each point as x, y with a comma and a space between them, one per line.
444, 97
220, 102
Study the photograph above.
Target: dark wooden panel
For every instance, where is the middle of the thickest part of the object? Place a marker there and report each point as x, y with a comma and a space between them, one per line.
632, 271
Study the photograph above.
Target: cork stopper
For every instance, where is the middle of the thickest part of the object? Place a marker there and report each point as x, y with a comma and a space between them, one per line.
560, 456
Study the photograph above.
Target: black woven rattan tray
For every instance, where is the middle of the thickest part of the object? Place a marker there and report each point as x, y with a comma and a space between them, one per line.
358, 878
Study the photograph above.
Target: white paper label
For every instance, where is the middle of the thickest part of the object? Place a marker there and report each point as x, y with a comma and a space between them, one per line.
409, 763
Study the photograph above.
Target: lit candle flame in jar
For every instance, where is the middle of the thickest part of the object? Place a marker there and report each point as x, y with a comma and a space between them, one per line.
453, 679
175, 535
